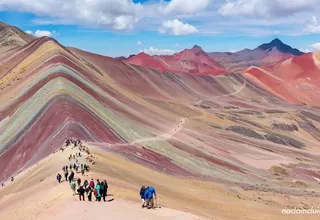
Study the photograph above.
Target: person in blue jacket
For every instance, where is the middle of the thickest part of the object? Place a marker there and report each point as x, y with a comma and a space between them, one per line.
142, 192
150, 195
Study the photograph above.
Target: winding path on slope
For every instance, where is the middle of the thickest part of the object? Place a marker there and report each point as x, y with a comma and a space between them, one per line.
169, 135
238, 90
179, 127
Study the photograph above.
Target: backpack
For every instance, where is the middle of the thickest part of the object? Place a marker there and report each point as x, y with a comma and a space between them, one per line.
95, 192
81, 190
142, 192
102, 188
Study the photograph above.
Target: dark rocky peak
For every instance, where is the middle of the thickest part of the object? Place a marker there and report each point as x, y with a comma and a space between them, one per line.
281, 47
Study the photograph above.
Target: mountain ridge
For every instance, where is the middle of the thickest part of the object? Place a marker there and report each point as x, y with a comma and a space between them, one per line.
194, 61
281, 47
268, 54
200, 133
12, 37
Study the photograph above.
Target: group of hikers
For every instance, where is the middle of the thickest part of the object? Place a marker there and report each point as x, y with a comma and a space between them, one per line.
76, 166
12, 179
76, 143
73, 141
148, 197
100, 188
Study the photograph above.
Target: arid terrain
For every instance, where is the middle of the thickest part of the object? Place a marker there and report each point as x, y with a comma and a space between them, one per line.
216, 142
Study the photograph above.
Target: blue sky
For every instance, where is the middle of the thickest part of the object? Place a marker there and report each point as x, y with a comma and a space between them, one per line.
124, 27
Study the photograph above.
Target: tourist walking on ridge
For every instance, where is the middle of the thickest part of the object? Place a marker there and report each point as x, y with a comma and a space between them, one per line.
59, 177
149, 193
106, 184
92, 184
142, 192
89, 193
73, 186
81, 192
104, 189
86, 167
98, 192
85, 184
79, 182
71, 177
66, 175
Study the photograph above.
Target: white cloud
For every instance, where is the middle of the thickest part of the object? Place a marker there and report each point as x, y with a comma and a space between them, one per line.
315, 46
311, 48
29, 32
155, 51
238, 7
116, 14
139, 42
233, 51
176, 45
305, 50
312, 26
42, 33
266, 8
123, 22
187, 6
177, 27
122, 15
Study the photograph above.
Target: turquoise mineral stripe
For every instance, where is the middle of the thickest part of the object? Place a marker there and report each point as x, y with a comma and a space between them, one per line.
23, 116
75, 75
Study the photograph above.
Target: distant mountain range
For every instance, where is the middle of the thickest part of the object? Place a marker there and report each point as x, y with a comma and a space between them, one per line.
268, 54
195, 60
280, 69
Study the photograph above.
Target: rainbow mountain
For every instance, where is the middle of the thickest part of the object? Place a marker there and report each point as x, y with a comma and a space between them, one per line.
229, 127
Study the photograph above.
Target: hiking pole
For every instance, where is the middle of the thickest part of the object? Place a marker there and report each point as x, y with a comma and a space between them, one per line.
156, 202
